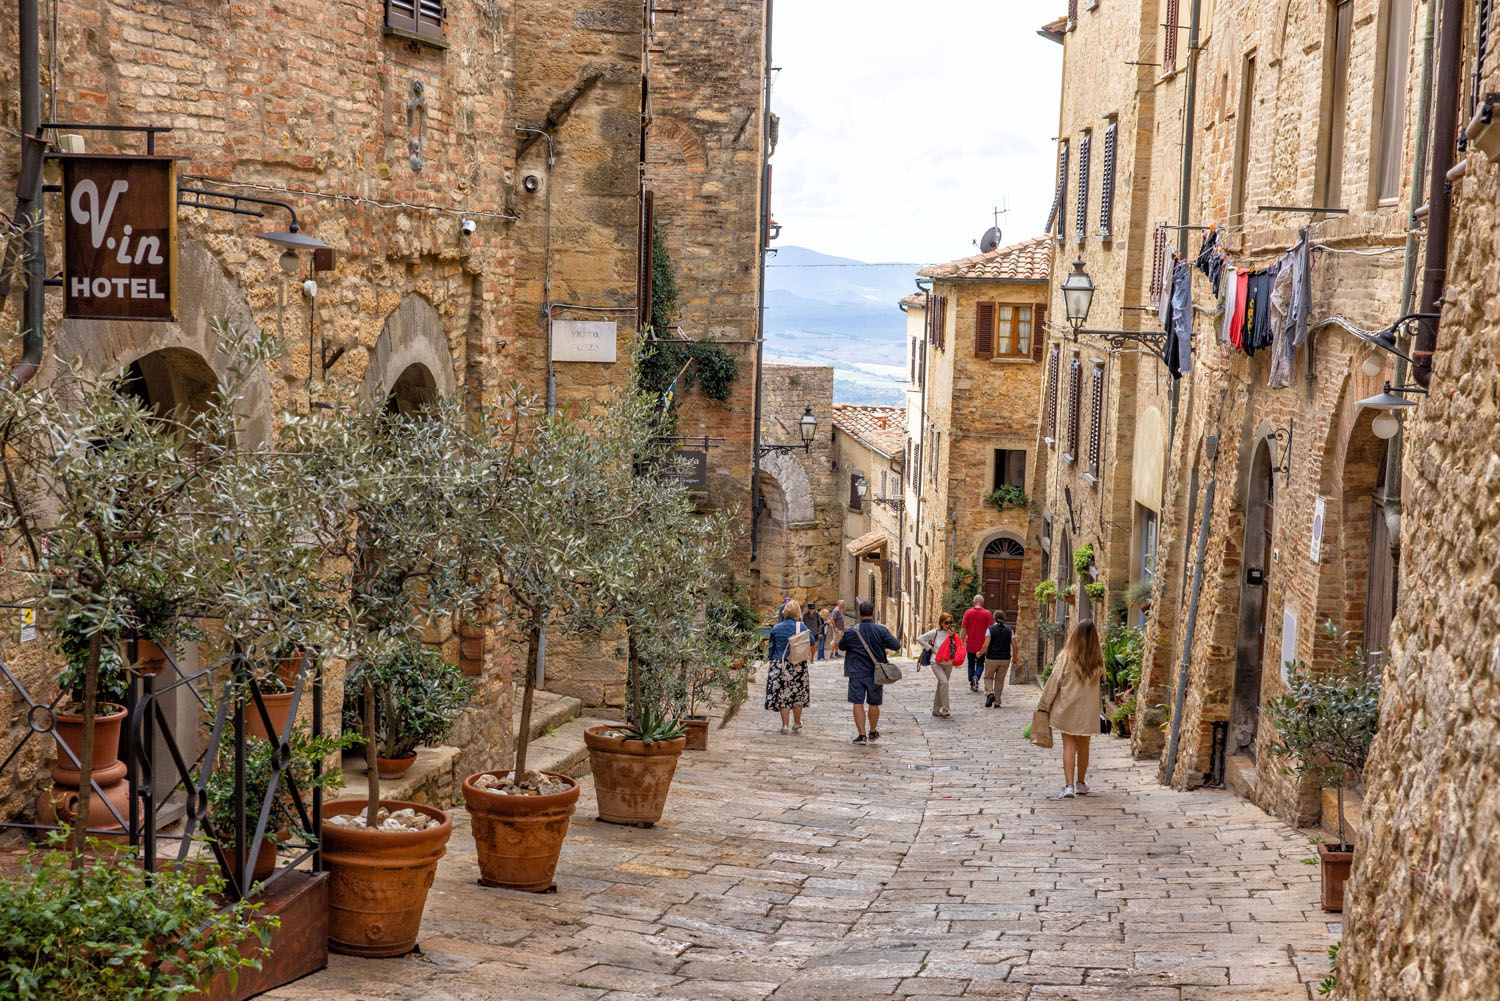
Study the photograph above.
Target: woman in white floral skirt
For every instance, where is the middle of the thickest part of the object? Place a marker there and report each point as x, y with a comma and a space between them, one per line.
788, 689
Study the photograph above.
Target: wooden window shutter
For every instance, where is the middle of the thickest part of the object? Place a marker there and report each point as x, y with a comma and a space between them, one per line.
984, 330
1096, 415
1169, 41
1052, 377
647, 251
1158, 262
765, 210
942, 321
914, 361
931, 320
1062, 189
1038, 328
1072, 13
1081, 221
431, 17
1075, 376
1107, 180
401, 15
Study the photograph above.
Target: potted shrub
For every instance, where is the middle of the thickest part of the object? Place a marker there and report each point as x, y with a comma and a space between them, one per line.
1006, 497
1325, 723
418, 696
729, 634
101, 929
1046, 592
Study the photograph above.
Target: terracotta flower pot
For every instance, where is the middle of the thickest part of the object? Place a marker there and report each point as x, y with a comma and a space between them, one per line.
262, 865
631, 778
149, 657
287, 668
697, 732
68, 729
394, 768
378, 880
519, 838
1335, 867
278, 707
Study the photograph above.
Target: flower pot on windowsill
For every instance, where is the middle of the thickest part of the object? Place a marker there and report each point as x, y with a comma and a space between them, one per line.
1335, 863
697, 733
519, 838
631, 778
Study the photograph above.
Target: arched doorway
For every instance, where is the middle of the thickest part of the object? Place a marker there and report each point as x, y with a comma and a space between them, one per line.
1250, 649
772, 552
1001, 577
413, 389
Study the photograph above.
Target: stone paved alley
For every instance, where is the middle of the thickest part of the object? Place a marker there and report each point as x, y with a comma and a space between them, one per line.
933, 864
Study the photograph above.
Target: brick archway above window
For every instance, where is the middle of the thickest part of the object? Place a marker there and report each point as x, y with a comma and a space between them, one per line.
673, 140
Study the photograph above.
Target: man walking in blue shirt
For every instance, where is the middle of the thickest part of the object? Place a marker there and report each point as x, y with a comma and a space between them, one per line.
862, 646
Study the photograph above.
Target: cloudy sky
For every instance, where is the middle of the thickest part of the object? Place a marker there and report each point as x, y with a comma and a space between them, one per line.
903, 124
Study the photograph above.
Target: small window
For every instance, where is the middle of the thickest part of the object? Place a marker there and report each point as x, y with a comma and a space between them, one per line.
1010, 468
1002, 330
1336, 99
1396, 25
421, 20
855, 479
1239, 184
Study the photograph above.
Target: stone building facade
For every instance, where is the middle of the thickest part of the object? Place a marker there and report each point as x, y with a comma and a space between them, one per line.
1305, 105
973, 467
422, 135
800, 519
869, 446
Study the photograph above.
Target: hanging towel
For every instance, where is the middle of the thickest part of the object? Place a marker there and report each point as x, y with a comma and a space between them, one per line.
1241, 303
1231, 286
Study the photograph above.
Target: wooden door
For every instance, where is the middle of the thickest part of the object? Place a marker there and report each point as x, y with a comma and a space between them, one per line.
1002, 565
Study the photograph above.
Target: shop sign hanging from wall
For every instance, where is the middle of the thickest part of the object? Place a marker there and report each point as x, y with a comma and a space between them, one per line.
119, 237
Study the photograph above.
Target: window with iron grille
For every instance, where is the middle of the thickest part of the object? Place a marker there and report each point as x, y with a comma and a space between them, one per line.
423, 20
1052, 366
1081, 220
1107, 180
1075, 376
1158, 262
1096, 416
1169, 40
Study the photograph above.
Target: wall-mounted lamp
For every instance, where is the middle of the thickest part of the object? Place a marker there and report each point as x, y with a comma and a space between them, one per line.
1389, 405
1078, 296
807, 428
292, 241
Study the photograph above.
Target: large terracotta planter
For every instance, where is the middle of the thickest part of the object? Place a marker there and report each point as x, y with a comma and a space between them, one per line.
1335, 867
519, 838
631, 778
378, 880
278, 707
66, 729
697, 732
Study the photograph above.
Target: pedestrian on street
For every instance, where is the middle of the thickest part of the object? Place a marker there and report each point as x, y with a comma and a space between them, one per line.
947, 650
998, 644
864, 646
1071, 703
836, 620
814, 624
977, 620
788, 690
827, 638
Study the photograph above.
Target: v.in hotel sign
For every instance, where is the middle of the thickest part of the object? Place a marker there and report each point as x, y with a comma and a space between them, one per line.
119, 237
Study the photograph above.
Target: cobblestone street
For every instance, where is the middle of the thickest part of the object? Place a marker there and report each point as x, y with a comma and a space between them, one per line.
933, 864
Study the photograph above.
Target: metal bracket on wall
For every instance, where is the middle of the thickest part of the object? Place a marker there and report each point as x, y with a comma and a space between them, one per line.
1283, 436
416, 124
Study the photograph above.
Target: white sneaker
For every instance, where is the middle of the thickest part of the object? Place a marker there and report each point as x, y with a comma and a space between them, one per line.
1081, 787
1067, 793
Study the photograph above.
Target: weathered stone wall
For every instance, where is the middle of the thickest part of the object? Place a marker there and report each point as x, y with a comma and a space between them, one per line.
705, 153
800, 520
1422, 903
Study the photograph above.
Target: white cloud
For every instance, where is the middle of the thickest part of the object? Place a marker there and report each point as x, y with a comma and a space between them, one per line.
903, 124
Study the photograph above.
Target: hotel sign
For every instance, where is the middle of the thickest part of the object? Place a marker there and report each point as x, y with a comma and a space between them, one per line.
119, 237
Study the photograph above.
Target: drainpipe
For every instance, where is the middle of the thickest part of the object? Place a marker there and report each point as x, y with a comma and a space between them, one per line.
1185, 181
30, 197
760, 306
924, 443
1439, 200
1179, 699
1408, 275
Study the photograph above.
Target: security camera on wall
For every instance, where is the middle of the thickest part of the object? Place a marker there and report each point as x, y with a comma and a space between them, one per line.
467, 227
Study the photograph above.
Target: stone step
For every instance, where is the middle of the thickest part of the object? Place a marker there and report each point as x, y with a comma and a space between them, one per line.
563, 750
431, 779
548, 712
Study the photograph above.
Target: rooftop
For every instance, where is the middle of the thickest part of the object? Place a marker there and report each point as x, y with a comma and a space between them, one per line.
882, 428
917, 300
1028, 261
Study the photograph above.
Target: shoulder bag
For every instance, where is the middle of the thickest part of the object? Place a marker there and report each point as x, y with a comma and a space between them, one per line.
799, 646
885, 672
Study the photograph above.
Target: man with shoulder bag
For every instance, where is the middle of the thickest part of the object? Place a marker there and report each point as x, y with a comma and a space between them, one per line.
868, 669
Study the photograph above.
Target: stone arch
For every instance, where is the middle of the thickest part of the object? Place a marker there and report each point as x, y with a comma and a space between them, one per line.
672, 140
205, 294
792, 479
773, 559
412, 335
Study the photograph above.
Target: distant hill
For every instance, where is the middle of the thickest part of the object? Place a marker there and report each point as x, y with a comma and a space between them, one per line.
823, 310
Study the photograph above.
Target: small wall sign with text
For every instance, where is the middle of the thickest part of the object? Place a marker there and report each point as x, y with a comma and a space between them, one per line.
28, 625
119, 237
1315, 547
584, 340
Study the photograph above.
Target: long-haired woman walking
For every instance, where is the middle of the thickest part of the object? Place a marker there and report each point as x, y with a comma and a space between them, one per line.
1071, 702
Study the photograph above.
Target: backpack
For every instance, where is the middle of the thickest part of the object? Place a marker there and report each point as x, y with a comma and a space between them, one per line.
799, 646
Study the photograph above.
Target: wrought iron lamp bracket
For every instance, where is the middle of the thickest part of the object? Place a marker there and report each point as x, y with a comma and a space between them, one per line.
1283, 436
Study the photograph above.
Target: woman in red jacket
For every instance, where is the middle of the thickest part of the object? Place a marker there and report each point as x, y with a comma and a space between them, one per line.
947, 649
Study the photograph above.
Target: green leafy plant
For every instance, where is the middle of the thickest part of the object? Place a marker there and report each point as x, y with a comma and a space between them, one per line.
1048, 630
1083, 557
1140, 593
665, 307
1046, 672
1124, 711
1046, 592
307, 754
963, 585
1068, 593
1124, 648
101, 930
1325, 721
1095, 590
704, 364
650, 726
731, 635
418, 696
1330, 983
1005, 497
1026, 731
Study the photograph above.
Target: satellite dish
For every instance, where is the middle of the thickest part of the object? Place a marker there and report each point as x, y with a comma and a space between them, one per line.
990, 240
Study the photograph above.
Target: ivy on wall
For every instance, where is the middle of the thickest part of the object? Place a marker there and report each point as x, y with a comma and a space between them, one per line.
713, 369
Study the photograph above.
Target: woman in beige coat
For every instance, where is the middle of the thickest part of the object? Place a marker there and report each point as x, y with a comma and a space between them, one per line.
1071, 701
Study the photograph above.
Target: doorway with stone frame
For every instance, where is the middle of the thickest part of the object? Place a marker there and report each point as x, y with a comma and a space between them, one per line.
1255, 584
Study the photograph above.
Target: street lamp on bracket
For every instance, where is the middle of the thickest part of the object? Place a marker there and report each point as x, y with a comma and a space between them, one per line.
1078, 298
807, 428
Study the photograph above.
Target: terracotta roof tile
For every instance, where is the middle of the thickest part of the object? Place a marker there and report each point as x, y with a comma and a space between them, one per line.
1056, 27
1028, 261
915, 299
883, 428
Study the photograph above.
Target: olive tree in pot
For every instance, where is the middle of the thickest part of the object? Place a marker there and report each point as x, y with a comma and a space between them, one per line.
713, 674
404, 485
1325, 723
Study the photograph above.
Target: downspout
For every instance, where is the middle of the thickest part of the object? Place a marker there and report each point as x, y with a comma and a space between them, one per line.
1179, 699
760, 307
30, 197
1185, 181
1440, 196
923, 443
1392, 502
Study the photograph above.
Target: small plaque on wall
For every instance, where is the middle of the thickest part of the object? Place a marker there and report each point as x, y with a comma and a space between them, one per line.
584, 340
1315, 546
